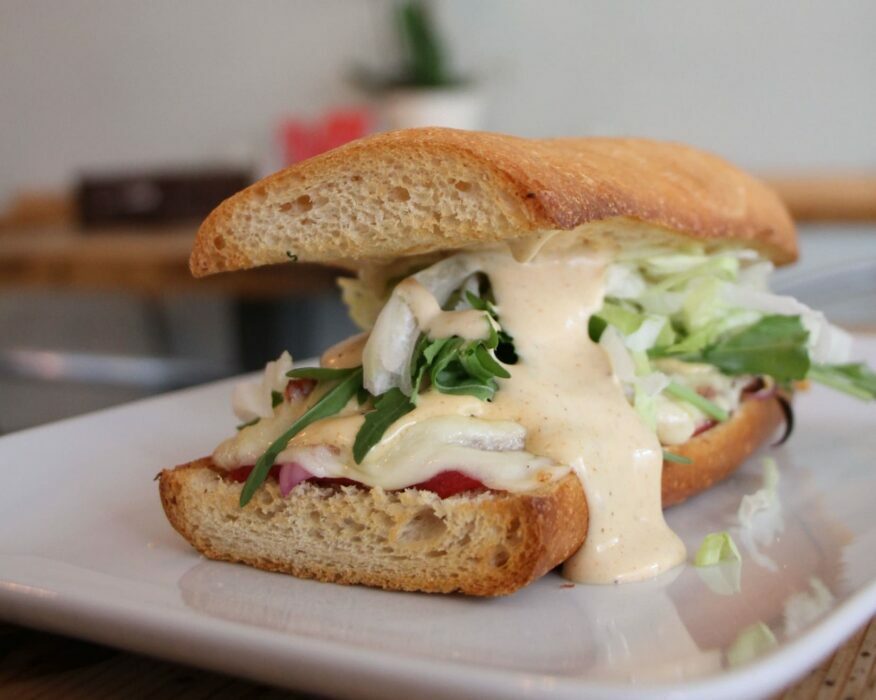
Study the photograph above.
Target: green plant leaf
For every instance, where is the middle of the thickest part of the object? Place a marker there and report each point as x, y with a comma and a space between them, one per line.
321, 374
329, 404
716, 547
774, 346
678, 459
855, 379
276, 399
685, 393
388, 408
596, 327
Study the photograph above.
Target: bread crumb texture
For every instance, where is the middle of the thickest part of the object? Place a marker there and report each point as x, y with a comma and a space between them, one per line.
479, 544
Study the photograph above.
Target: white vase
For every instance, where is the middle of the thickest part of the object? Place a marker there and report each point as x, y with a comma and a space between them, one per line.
458, 108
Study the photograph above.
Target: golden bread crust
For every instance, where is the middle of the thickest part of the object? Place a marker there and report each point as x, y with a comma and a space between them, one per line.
717, 452
425, 190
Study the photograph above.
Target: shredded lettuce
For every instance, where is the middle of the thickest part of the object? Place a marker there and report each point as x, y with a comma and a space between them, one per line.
805, 607
716, 547
752, 642
715, 309
760, 517
764, 498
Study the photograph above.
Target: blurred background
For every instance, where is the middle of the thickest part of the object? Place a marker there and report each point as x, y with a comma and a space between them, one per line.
124, 123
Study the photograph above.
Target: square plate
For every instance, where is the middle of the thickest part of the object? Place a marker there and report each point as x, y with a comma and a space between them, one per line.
85, 550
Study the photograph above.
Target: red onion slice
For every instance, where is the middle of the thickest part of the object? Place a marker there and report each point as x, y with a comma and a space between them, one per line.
291, 474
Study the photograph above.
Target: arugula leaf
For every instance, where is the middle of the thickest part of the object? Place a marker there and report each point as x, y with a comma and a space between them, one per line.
855, 379
774, 346
685, 393
388, 408
276, 399
449, 374
596, 327
499, 340
321, 374
679, 459
362, 395
329, 404
425, 352
489, 363
480, 304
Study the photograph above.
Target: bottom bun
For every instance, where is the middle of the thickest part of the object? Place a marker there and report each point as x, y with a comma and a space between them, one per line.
477, 543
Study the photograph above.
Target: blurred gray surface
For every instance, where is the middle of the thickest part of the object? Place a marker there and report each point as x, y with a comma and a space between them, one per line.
195, 332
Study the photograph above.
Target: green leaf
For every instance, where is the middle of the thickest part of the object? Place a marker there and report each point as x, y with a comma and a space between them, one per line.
461, 384
717, 547
752, 642
685, 393
430, 352
625, 319
472, 364
248, 423
329, 404
388, 408
774, 346
596, 327
276, 399
678, 459
490, 363
857, 379
450, 376
424, 355
498, 340
362, 395
321, 374
480, 304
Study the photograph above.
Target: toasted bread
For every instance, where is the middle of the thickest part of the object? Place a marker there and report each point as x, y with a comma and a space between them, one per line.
477, 543
426, 190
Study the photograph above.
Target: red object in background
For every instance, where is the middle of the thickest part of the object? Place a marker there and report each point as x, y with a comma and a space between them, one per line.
301, 139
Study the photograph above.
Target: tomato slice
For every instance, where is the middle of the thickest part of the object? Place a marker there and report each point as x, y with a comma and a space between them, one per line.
443, 485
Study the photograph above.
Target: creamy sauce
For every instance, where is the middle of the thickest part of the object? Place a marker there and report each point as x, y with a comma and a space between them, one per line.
469, 324
347, 353
443, 433
563, 391
561, 409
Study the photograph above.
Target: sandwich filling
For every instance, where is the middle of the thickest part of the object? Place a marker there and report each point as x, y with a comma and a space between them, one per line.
512, 367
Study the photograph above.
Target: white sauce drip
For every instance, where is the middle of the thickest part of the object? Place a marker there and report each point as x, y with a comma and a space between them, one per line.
469, 324
562, 391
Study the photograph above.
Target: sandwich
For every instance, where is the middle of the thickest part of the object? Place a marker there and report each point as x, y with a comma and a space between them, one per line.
560, 338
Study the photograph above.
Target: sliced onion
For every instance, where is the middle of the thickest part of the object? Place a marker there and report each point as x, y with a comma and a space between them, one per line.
291, 474
254, 399
386, 358
623, 281
645, 336
621, 362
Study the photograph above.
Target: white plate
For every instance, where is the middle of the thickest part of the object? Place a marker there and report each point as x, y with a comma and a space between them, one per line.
85, 550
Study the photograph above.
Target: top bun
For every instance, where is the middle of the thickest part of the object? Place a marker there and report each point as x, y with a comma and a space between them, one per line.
425, 190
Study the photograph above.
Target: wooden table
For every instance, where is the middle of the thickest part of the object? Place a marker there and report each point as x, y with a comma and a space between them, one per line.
38, 665
137, 261
147, 260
